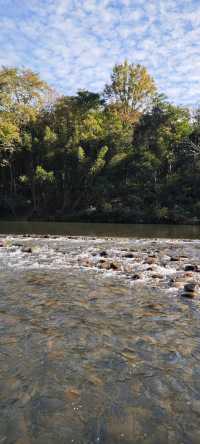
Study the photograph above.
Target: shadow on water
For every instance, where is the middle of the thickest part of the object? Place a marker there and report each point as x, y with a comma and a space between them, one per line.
95, 229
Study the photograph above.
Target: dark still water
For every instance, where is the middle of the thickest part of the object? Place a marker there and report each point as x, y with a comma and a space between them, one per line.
95, 229
97, 343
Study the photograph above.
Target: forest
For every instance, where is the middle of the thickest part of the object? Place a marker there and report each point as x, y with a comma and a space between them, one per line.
123, 155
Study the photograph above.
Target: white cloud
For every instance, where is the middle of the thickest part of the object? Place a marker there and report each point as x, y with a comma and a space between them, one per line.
75, 43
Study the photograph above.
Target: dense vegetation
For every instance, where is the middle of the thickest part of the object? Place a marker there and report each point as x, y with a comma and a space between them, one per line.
124, 155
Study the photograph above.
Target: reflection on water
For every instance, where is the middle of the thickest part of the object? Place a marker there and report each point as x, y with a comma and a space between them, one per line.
87, 358
95, 229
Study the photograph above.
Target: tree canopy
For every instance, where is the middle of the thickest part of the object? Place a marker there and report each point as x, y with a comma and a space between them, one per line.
127, 154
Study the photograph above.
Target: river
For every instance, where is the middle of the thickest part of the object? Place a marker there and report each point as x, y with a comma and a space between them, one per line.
97, 229
97, 343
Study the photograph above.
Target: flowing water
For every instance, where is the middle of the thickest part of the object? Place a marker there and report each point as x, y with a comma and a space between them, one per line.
97, 344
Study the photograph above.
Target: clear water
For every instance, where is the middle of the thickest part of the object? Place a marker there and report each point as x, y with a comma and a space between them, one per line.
90, 355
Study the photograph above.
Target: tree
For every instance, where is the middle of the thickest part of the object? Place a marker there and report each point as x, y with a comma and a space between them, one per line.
130, 91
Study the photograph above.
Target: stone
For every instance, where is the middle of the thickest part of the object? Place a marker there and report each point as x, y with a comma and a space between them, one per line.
85, 262
190, 286
108, 265
189, 294
103, 264
188, 274
103, 254
26, 250
150, 260
191, 268
157, 276
128, 255
135, 276
114, 266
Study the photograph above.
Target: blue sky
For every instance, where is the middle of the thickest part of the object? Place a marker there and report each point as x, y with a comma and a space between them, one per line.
74, 44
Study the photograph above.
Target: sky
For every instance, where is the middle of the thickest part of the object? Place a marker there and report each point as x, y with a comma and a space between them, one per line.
73, 44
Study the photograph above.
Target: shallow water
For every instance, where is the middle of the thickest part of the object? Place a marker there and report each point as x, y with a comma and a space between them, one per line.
91, 355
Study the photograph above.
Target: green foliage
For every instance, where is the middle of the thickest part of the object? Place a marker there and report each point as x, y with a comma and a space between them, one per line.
130, 91
127, 156
42, 176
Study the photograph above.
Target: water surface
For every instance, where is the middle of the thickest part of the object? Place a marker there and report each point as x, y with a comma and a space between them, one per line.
89, 355
99, 229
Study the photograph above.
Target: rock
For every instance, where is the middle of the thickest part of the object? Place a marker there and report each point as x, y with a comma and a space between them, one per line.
103, 264
177, 282
157, 276
72, 393
189, 294
174, 259
191, 268
85, 262
190, 286
150, 260
128, 255
26, 250
188, 274
103, 254
109, 265
135, 276
114, 266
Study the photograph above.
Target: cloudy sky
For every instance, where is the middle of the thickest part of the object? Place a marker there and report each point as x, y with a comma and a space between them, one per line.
73, 44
